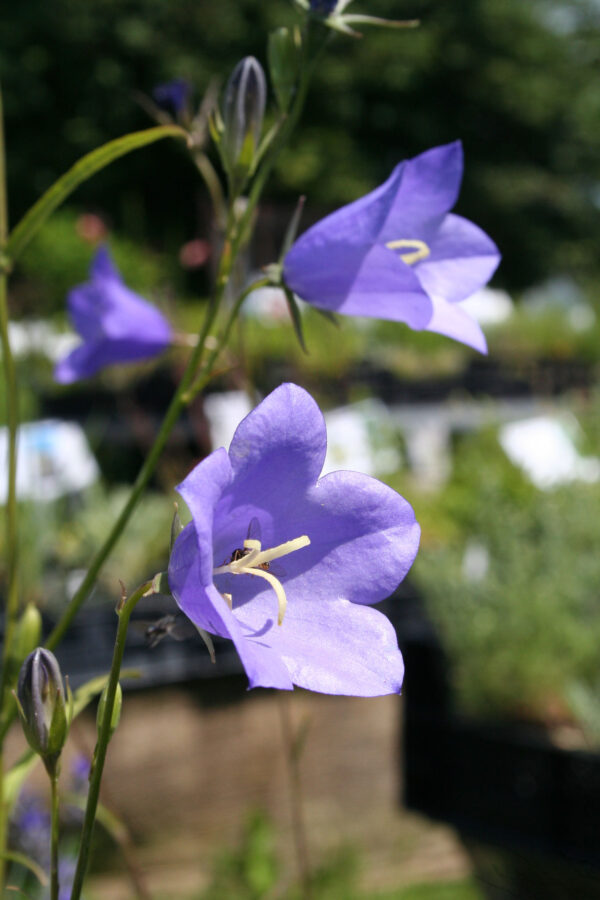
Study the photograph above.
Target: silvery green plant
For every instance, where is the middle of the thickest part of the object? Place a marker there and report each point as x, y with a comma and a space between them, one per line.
346, 540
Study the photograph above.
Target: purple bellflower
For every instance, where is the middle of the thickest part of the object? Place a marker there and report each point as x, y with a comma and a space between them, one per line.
172, 97
287, 564
116, 325
398, 253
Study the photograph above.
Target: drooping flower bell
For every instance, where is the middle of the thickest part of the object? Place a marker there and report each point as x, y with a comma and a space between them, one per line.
286, 564
398, 253
42, 708
116, 325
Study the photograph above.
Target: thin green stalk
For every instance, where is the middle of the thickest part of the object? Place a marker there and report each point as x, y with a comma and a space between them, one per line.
205, 375
104, 736
292, 759
3, 824
54, 886
10, 388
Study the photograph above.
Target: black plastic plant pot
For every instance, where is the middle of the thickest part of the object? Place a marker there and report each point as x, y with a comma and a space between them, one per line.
502, 786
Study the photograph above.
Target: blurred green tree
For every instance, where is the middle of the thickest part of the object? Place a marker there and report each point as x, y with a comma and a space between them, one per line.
516, 81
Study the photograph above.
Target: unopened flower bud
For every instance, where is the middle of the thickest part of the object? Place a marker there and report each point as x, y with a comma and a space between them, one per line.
42, 705
116, 710
243, 113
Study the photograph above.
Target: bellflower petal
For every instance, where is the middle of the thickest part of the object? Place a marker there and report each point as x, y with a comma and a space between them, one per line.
345, 542
116, 325
398, 253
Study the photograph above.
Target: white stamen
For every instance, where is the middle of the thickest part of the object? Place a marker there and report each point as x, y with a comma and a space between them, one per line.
254, 561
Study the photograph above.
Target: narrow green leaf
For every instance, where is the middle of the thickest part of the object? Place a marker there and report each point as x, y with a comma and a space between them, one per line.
23, 860
87, 166
358, 19
296, 317
116, 828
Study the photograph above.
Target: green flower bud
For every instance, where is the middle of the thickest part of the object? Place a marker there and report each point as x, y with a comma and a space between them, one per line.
284, 52
243, 114
28, 632
116, 710
41, 699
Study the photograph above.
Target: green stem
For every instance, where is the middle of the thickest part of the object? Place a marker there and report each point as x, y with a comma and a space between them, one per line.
54, 887
205, 375
3, 824
213, 185
10, 388
104, 736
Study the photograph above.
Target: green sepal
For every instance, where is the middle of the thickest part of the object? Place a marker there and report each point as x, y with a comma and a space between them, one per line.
292, 229
177, 527
87, 166
327, 314
296, 316
58, 730
207, 641
215, 126
160, 584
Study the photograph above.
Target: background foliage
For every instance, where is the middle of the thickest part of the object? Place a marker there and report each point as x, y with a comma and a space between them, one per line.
516, 81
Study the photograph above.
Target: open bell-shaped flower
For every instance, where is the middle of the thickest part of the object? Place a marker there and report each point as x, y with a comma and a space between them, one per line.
398, 253
116, 325
286, 564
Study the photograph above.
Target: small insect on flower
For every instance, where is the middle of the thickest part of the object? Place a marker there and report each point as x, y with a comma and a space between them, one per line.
252, 543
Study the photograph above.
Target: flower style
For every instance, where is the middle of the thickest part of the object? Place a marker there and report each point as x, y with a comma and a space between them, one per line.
115, 324
286, 564
398, 253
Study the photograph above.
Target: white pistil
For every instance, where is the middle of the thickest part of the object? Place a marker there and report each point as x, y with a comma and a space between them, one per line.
255, 562
420, 249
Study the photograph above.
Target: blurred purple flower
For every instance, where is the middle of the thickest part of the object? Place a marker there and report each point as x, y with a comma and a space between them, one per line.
116, 325
67, 866
172, 96
323, 7
398, 253
345, 540
80, 772
30, 827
